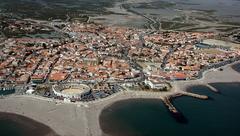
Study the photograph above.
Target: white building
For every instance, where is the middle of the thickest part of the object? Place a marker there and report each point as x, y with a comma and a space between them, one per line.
155, 83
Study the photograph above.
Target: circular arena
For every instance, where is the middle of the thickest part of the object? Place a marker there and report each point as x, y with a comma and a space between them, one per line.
71, 90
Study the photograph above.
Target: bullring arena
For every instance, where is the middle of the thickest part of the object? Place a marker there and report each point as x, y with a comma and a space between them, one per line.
71, 90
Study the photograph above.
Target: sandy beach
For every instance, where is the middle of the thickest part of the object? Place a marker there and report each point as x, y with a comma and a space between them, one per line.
25, 126
82, 119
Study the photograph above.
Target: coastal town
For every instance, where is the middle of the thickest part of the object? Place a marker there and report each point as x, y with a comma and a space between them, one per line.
45, 58
119, 67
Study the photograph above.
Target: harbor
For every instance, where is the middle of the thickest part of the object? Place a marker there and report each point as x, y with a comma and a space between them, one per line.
119, 68
209, 115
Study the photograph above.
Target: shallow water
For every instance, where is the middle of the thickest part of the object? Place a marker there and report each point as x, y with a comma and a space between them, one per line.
58, 9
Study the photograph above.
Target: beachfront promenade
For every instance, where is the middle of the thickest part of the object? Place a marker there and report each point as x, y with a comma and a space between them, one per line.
81, 118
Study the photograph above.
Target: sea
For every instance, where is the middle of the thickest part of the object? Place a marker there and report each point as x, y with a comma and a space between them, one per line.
17, 125
218, 116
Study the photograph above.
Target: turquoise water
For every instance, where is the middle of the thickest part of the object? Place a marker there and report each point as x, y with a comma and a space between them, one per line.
143, 117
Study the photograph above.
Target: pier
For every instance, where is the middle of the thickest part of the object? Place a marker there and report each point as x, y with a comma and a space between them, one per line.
169, 105
203, 97
212, 88
178, 116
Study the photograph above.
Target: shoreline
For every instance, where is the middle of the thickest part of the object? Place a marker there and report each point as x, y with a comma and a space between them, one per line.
27, 125
82, 118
